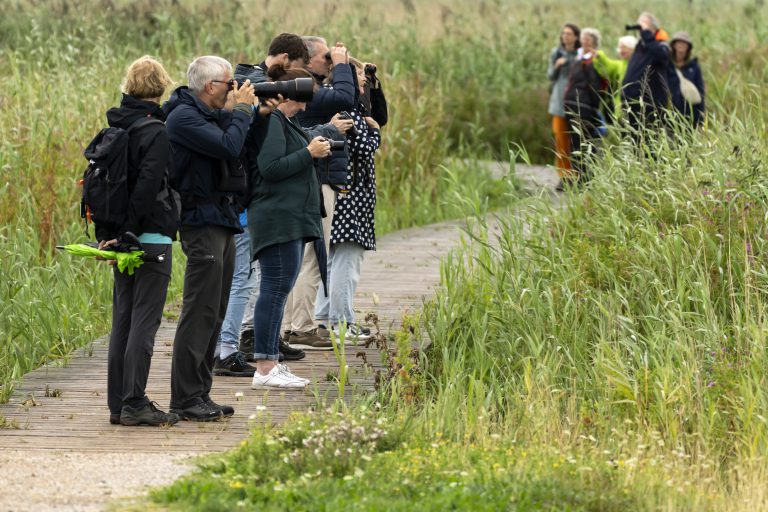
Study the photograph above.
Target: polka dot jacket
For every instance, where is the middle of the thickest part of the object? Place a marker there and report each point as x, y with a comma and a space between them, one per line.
353, 217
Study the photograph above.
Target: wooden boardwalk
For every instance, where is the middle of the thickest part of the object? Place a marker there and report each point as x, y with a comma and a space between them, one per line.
63, 408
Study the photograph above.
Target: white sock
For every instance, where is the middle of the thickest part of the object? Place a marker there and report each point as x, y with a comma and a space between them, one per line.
226, 351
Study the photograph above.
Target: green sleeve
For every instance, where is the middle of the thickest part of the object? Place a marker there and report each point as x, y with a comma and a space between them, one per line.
275, 161
610, 69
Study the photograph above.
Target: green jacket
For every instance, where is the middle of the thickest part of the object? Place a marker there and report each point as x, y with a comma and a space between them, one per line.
285, 200
612, 70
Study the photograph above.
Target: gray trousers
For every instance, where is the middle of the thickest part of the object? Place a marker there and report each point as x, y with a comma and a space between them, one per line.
210, 252
137, 308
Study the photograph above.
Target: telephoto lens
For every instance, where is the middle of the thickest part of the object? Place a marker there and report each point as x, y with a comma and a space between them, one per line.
300, 89
632, 27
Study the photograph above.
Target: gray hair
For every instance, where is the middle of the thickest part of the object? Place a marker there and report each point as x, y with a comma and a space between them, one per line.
312, 43
628, 41
205, 69
594, 34
653, 20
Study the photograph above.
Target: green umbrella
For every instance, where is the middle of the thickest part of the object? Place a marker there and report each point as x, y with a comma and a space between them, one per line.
129, 261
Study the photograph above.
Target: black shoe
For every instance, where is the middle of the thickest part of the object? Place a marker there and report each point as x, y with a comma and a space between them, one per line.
246, 342
146, 415
226, 410
199, 412
114, 419
290, 353
234, 365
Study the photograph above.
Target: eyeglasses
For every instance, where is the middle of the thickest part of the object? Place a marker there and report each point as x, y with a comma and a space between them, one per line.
230, 83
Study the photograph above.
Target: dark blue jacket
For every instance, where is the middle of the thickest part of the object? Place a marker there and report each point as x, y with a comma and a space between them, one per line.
327, 102
692, 72
200, 139
651, 75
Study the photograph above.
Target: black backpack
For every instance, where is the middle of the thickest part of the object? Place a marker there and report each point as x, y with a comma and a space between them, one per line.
105, 181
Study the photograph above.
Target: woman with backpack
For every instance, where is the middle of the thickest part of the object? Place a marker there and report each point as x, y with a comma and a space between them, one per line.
152, 216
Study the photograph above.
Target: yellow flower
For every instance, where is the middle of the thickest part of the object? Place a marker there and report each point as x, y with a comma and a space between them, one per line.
236, 485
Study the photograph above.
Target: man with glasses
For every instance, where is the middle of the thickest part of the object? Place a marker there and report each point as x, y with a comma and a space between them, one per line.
207, 125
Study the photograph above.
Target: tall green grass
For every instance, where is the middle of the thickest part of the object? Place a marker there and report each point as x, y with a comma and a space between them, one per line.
61, 63
607, 354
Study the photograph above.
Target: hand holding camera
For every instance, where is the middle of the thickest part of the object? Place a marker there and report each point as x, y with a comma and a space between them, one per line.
240, 94
268, 105
339, 54
319, 147
344, 123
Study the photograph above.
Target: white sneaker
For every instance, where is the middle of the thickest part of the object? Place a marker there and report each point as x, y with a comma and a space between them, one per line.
276, 378
285, 371
353, 333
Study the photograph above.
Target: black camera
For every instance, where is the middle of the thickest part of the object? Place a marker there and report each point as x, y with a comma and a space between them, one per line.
352, 130
336, 145
632, 27
300, 89
370, 69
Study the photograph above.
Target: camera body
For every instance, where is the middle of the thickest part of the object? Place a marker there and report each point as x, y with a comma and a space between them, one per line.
352, 130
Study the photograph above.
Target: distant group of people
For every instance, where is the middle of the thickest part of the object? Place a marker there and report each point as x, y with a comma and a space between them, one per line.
652, 76
306, 217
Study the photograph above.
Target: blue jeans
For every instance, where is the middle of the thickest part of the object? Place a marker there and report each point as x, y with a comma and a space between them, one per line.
243, 283
280, 264
344, 262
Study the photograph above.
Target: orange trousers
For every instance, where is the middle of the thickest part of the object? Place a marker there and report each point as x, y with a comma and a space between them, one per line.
560, 130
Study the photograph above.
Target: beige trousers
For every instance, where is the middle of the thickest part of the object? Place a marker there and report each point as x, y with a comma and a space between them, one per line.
299, 313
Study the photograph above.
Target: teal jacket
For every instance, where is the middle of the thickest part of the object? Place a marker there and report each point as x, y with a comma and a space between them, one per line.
286, 198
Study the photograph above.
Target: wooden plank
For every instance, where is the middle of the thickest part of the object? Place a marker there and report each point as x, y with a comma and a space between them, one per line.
402, 273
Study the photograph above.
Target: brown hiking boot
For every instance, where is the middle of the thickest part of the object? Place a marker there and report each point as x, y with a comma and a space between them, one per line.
309, 340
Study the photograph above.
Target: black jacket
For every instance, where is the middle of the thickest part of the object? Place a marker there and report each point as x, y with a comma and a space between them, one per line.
200, 139
149, 211
327, 102
651, 75
692, 72
583, 94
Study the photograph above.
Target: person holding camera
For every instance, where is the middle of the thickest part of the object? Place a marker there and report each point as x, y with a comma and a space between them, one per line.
235, 345
650, 83
583, 101
284, 215
207, 126
138, 300
560, 61
338, 95
353, 229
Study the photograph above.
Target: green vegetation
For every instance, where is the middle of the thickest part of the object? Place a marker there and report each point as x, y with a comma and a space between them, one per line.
61, 70
608, 355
